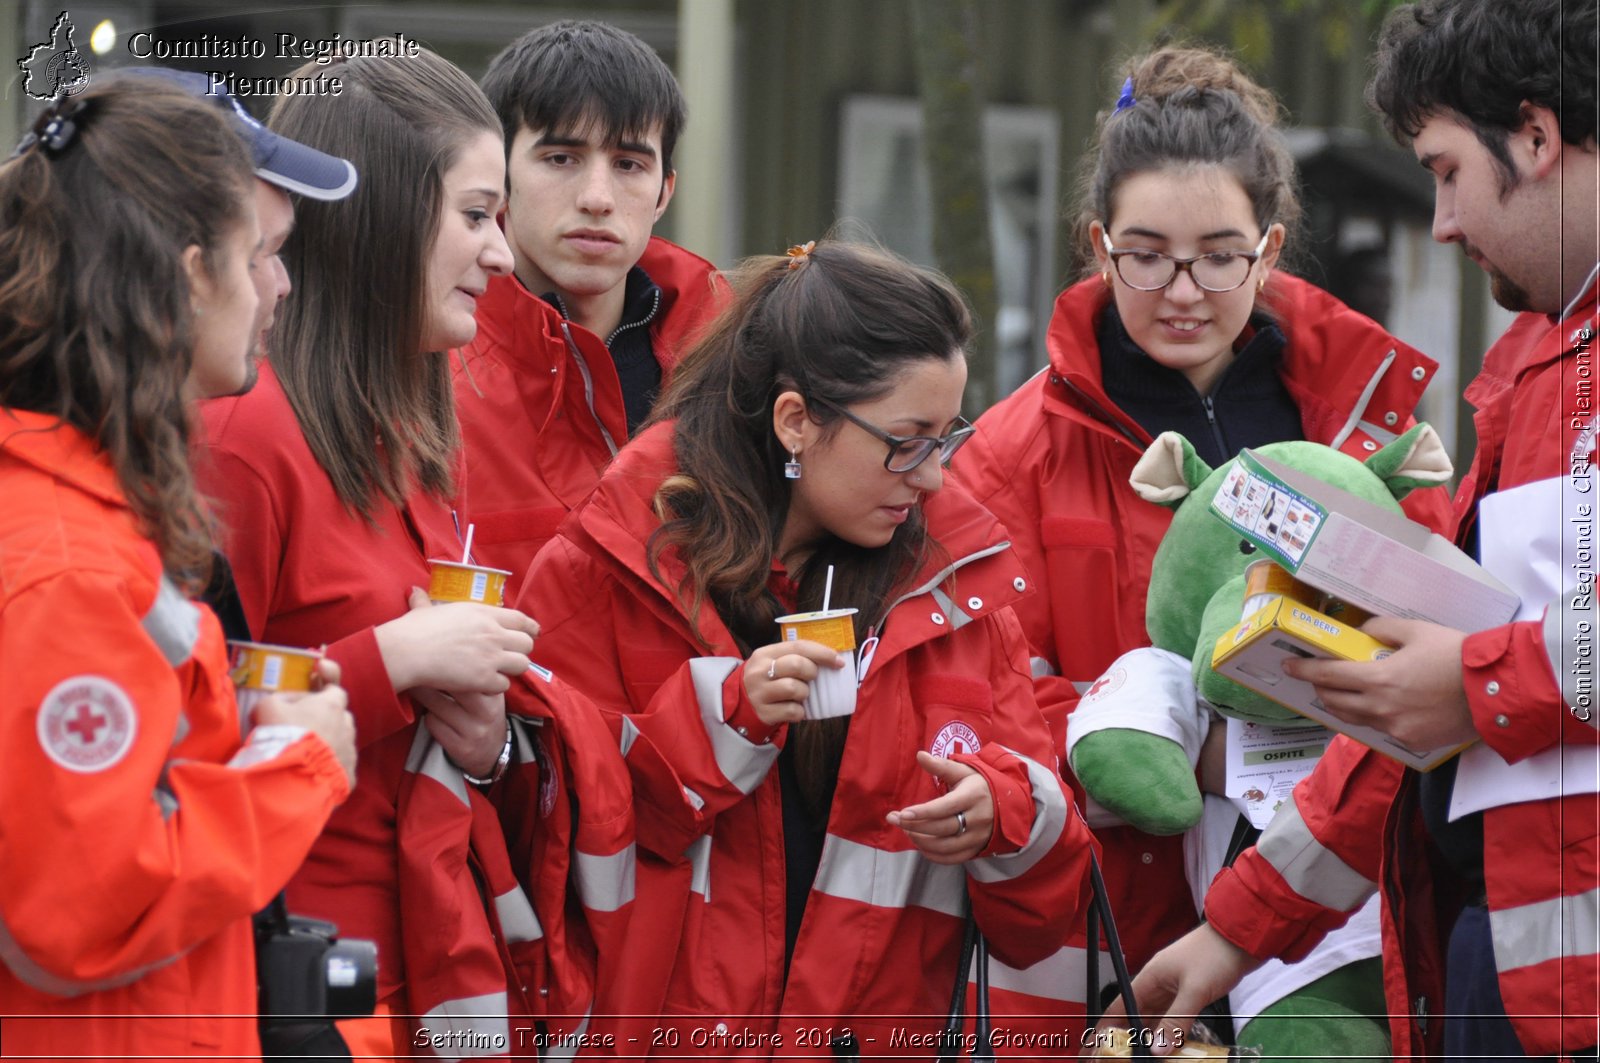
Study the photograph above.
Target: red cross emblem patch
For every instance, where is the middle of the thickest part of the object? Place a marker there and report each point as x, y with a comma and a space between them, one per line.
1109, 683
87, 723
955, 737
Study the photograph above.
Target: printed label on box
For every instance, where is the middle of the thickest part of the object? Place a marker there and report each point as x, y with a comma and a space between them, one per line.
1278, 519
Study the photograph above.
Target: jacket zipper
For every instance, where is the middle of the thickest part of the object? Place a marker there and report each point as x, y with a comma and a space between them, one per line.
1211, 419
588, 386
1100, 412
655, 305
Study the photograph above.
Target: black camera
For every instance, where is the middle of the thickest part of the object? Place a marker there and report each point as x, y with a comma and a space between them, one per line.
306, 976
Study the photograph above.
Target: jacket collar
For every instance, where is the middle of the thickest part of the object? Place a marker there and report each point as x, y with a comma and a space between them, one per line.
619, 518
60, 450
521, 324
1335, 362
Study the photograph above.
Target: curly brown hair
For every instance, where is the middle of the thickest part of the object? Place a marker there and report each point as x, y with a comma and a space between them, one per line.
96, 323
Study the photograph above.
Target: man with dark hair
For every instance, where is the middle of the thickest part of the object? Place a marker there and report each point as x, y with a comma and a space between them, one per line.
571, 350
1490, 865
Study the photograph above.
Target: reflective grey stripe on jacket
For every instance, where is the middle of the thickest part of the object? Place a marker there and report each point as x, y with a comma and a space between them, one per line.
29, 973
1312, 870
1559, 928
428, 758
699, 856
1360, 407
1049, 818
885, 879
518, 921
605, 883
561, 1045
467, 1028
1060, 976
742, 762
173, 623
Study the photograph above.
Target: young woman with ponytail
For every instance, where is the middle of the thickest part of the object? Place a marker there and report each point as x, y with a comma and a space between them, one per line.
139, 827
810, 876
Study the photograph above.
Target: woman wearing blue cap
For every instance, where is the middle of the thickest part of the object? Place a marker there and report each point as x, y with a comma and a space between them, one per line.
139, 828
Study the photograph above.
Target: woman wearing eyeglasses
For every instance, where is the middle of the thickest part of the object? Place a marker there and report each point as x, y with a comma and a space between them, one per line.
802, 882
1185, 325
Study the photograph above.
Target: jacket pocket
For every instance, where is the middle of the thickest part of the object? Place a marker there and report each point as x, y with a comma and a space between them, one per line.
644, 672
1086, 603
957, 712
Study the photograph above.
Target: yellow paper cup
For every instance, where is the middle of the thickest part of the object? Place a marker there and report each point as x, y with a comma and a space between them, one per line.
1265, 580
451, 581
833, 692
259, 670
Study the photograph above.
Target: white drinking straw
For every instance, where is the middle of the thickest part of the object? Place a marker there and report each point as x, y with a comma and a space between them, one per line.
466, 553
827, 589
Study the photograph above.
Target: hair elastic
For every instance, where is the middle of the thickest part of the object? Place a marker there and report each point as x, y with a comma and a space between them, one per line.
1125, 100
799, 254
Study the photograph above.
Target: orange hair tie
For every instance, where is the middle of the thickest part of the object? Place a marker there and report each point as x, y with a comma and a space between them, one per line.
800, 253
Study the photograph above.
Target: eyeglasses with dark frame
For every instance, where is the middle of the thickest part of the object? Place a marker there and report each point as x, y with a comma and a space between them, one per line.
1212, 271
907, 452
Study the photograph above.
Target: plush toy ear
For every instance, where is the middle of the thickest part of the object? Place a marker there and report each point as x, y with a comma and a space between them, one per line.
1169, 470
1416, 459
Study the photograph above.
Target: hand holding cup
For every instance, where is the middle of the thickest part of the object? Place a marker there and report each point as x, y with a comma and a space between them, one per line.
778, 678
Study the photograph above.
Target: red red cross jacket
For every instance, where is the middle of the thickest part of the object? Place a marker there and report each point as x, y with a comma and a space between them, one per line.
397, 862
541, 408
1355, 823
876, 951
1052, 462
137, 832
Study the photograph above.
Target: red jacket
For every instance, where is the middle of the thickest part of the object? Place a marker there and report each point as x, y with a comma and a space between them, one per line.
541, 409
1052, 462
876, 952
137, 833
1355, 823
310, 572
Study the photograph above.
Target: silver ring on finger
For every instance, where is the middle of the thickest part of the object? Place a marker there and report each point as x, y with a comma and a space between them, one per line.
961, 823
772, 668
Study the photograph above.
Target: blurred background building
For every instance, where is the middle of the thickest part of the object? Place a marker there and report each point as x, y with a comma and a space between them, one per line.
808, 114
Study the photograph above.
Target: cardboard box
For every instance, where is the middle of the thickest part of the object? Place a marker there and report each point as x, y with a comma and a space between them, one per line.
1357, 551
1252, 654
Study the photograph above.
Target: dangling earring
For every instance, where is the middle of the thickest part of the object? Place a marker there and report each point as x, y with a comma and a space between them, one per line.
1105, 277
791, 468
1261, 284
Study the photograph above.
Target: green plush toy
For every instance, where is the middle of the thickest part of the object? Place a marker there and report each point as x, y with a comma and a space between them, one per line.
1145, 776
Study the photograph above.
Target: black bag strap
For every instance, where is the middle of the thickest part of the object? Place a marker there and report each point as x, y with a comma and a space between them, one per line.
983, 1050
1100, 912
950, 1036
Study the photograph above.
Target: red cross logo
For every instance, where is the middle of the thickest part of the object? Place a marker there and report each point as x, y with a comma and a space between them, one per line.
1099, 685
85, 723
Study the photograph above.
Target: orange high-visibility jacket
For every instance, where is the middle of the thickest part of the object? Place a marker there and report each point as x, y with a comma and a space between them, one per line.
137, 832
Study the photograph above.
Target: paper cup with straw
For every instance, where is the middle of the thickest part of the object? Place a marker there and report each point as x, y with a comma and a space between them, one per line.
462, 581
833, 692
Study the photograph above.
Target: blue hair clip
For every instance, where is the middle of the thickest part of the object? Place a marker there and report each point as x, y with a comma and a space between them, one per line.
1126, 100
53, 130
